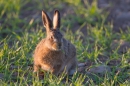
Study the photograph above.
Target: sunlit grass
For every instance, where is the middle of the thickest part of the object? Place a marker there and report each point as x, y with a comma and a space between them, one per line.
19, 34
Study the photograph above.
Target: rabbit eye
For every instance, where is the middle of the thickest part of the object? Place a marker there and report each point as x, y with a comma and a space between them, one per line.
51, 37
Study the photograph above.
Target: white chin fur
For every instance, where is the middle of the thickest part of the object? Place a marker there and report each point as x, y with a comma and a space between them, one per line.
56, 49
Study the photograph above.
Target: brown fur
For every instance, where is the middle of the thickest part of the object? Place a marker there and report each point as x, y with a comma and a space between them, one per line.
54, 61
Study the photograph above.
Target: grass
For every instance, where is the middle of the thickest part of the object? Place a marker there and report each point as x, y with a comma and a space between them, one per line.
21, 29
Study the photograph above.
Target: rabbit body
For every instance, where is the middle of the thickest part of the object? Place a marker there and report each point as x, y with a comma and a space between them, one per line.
55, 61
54, 53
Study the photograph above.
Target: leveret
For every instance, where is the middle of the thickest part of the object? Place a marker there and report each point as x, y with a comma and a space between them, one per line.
54, 53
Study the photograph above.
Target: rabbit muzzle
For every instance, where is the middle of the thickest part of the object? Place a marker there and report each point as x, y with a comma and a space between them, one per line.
57, 46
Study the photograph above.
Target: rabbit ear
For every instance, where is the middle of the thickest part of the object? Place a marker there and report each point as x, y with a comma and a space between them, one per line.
56, 20
46, 21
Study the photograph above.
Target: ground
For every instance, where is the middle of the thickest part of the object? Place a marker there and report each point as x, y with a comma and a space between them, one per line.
99, 29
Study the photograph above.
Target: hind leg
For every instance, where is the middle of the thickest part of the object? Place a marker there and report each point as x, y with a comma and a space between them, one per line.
72, 70
71, 67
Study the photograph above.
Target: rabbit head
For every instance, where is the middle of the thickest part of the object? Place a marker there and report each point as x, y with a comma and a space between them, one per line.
54, 39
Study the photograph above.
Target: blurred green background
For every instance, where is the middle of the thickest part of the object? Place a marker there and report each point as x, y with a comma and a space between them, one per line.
91, 27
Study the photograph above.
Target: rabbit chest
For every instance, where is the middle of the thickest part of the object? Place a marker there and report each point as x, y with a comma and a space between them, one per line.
53, 59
